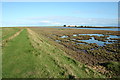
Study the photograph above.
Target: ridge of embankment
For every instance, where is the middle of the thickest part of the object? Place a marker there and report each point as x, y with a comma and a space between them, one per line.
65, 64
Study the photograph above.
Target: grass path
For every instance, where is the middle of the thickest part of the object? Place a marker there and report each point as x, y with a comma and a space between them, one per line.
4, 41
30, 55
7, 32
18, 60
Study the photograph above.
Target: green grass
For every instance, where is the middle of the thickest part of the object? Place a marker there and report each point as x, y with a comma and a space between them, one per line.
35, 57
18, 60
0, 34
7, 32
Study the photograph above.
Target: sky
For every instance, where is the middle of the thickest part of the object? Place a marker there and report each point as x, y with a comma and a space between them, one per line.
59, 13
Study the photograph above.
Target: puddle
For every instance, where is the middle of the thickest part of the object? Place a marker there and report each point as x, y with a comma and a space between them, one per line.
92, 34
100, 43
57, 40
113, 36
92, 40
75, 35
64, 36
110, 36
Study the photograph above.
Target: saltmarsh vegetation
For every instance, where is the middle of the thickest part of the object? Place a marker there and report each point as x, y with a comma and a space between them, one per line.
113, 66
29, 55
108, 53
57, 62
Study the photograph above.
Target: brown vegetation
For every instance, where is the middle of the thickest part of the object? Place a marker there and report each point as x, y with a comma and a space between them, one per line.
87, 53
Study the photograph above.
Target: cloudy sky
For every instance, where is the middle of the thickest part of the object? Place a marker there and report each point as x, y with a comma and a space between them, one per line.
59, 13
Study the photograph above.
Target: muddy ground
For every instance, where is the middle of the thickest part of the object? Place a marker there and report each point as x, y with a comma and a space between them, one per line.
89, 54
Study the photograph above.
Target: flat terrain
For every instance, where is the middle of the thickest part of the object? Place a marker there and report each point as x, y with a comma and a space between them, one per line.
34, 53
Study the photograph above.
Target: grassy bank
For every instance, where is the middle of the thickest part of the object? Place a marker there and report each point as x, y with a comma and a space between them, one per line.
57, 62
87, 53
29, 55
18, 60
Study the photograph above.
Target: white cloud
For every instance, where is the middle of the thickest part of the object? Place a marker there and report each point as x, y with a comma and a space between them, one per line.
45, 21
63, 20
50, 22
56, 23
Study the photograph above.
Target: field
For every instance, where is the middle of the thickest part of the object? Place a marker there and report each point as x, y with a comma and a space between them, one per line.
48, 53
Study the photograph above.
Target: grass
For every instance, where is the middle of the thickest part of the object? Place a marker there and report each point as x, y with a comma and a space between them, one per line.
18, 60
89, 53
7, 32
59, 64
30, 55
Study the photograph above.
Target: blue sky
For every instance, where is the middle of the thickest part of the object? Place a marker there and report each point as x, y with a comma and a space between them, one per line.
59, 13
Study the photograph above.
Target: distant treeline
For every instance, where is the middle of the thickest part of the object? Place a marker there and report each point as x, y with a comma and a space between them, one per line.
88, 26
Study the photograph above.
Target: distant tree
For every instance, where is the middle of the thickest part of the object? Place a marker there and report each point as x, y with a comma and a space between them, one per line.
64, 25
75, 26
81, 26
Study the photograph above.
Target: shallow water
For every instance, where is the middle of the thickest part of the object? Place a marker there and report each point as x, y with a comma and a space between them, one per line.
57, 40
64, 36
92, 40
100, 43
110, 36
92, 34
108, 29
